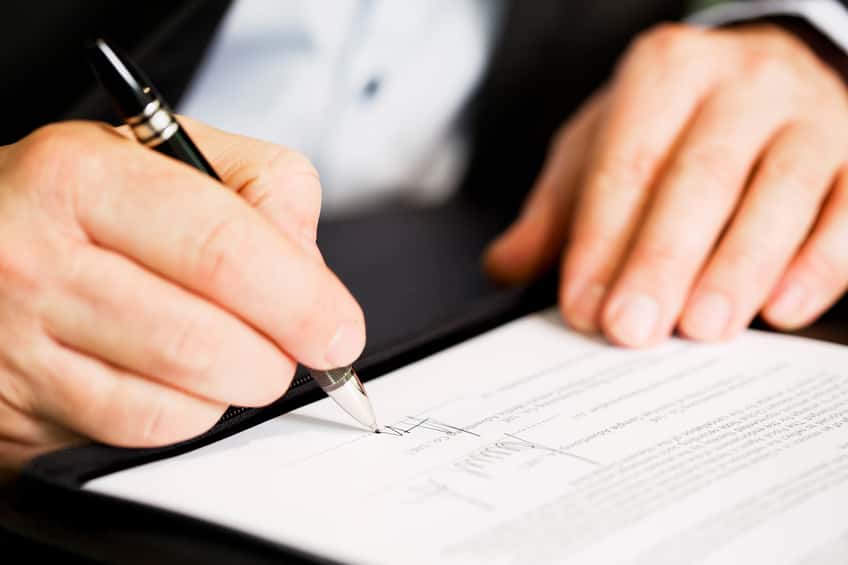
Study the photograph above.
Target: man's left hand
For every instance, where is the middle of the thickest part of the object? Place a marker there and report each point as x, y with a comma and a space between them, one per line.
706, 183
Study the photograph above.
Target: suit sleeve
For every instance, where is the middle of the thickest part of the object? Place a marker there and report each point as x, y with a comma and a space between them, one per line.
822, 24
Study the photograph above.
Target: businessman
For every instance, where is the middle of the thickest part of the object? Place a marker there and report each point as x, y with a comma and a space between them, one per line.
681, 178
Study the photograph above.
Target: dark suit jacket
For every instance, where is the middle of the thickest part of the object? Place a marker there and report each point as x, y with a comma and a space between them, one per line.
414, 271
549, 56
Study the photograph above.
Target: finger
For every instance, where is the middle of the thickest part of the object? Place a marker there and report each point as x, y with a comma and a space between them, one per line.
818, 275
773, 219
639, 129
282, 184
114, 406
534, 240
149, 326
179, 224
694, 198
21, 428
14, 456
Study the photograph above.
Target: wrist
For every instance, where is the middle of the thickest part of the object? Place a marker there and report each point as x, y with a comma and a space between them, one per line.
827, 51
822, 25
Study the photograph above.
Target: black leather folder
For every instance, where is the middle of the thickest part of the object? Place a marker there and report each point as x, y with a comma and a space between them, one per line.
416, 272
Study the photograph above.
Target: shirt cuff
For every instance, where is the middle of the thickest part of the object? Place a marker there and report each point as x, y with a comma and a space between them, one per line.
829, 17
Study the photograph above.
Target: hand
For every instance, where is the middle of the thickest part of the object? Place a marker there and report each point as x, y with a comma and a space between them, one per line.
139, 298
704, 184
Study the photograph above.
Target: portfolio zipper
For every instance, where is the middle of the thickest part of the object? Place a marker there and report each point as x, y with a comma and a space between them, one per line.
234, 411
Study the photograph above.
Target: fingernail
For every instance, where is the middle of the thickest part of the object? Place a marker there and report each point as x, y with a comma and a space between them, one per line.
789, 305
708, 316
633, 318
584, 309
346, 344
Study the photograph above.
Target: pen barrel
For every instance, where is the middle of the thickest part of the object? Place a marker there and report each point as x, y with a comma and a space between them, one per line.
153, 125
180, 147
157, 128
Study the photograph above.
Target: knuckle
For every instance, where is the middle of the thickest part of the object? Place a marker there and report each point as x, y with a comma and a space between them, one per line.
778, 166
19, 272
127, 419
277, 384
822, 269
167, 419
187, 348
58, 161
770, 70
214, 256
52, 376
72, 265
667, 40
49, 142
663, 261
830, 127
283, 380
711, 164
310, 204
296, 164
626, 168
101, 408
61, 148
14, 391
780, 169
131, 420
154, 421
27, 363
823, 94
753, 262
309, 299
830, 93
588, 243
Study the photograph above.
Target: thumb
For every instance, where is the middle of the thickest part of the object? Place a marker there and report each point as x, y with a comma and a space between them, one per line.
533, 242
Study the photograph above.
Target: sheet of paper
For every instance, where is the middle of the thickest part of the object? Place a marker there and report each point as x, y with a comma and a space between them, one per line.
531, 444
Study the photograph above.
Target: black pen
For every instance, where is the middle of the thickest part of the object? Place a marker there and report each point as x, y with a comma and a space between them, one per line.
154, 125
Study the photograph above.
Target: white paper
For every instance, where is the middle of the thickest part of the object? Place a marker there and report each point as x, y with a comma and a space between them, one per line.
532, 444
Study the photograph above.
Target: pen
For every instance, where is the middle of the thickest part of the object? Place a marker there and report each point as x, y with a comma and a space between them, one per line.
154, 125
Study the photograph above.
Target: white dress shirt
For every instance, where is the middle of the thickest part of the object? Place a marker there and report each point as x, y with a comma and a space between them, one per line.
373, 91
828, 16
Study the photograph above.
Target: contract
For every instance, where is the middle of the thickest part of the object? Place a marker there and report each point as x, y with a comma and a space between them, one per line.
533, 444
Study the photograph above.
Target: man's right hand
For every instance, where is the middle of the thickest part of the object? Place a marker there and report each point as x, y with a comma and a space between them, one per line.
139, 298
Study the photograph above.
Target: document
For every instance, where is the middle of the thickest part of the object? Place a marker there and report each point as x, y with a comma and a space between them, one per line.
534, 444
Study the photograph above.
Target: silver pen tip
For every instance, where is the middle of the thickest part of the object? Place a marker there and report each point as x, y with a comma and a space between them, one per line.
345, 388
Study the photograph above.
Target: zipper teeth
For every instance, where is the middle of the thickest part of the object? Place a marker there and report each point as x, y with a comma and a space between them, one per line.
234, 411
